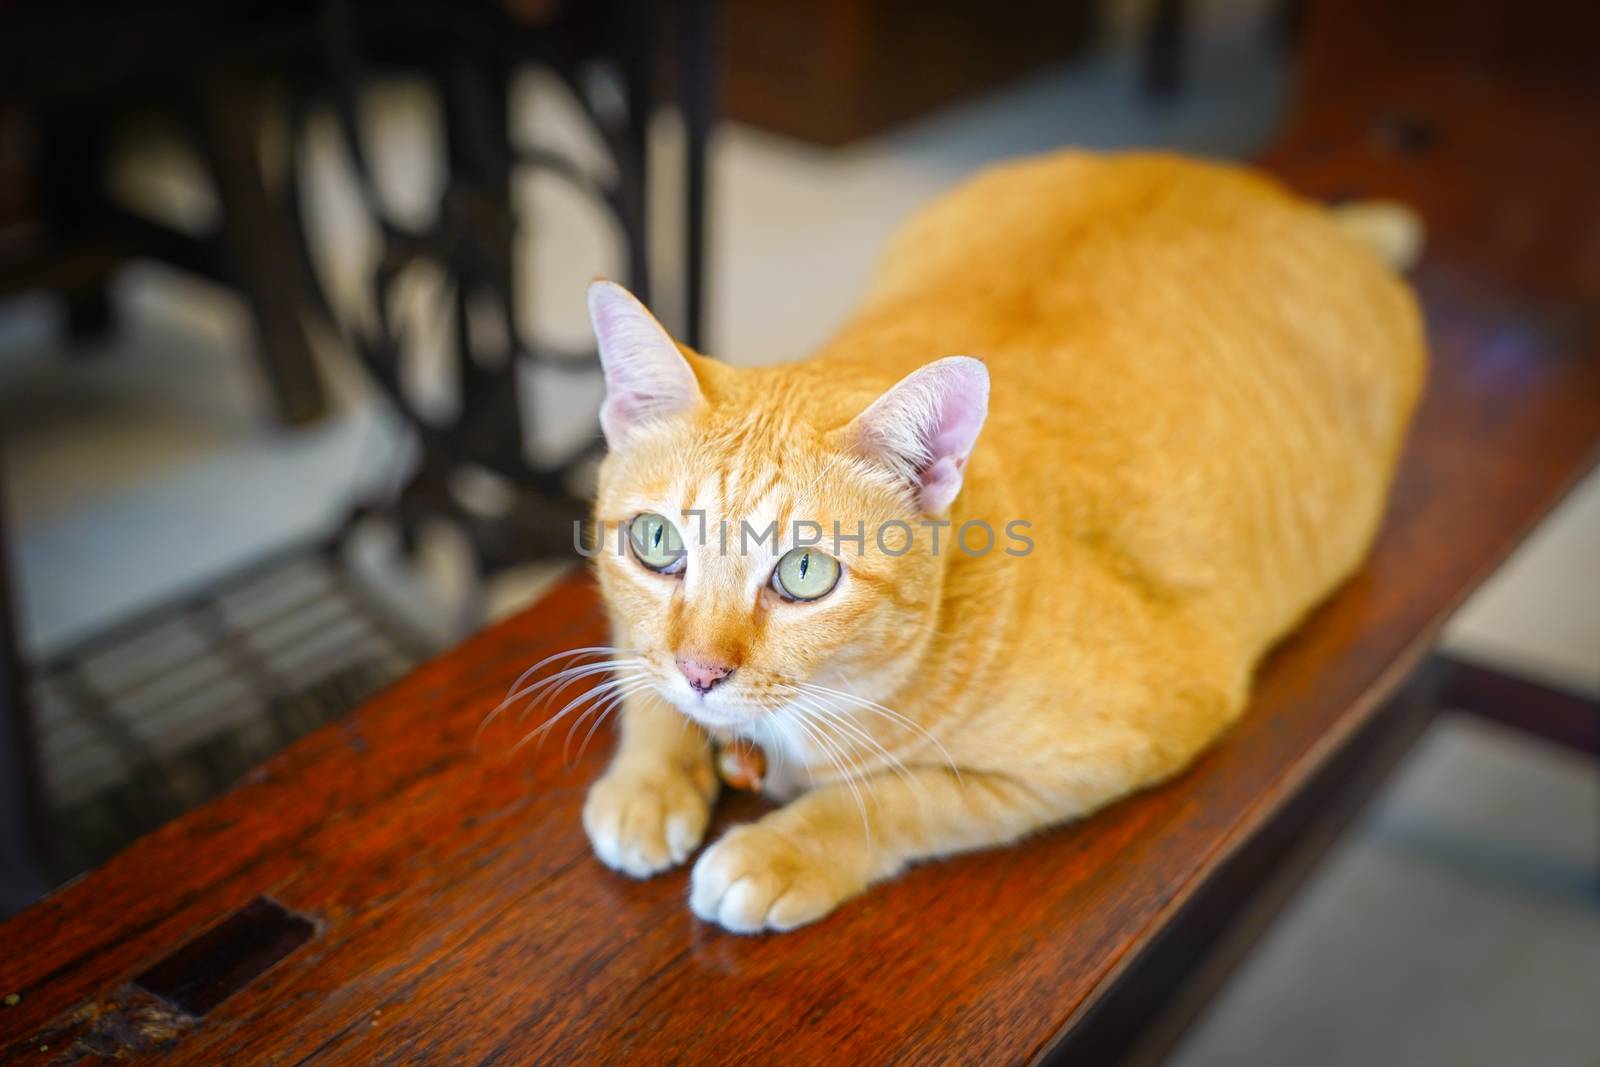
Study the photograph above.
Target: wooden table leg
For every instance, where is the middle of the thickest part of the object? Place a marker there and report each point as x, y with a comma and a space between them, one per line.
1553, 714
1566, 718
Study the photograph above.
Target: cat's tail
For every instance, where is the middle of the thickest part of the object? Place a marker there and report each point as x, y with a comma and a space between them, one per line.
1391, 228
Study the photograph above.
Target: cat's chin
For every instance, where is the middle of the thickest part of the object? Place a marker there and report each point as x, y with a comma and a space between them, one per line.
716, 711
718, 719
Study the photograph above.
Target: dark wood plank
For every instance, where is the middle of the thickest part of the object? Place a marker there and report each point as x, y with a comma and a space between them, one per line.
1139, 1017
460, 916
834, 71
1554, 714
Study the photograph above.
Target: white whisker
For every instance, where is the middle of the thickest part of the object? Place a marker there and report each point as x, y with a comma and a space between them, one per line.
886, 712
611, 705
844, 722
516, 692
595, 693
570, 677
604, 708
832, 462
571, 653
813, 729
781, 724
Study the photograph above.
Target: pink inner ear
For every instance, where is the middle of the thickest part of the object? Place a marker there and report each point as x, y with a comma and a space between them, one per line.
927, 425
941, 482
625, 407
646, 376
961, 415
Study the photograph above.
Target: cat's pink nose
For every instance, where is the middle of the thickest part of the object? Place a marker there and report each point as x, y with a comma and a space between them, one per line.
703, 677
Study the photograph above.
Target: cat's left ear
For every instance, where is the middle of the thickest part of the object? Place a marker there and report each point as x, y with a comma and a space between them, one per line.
924, 427
647, 378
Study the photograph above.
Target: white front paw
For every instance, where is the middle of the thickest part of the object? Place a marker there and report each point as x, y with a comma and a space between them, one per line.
642, 821
756, 878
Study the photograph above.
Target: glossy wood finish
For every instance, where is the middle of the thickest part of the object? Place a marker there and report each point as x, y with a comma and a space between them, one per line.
460, 918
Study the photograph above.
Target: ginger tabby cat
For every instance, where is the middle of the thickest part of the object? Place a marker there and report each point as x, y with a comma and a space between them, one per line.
1192, 389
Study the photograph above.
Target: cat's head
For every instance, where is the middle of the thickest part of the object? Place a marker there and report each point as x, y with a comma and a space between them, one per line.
715, 479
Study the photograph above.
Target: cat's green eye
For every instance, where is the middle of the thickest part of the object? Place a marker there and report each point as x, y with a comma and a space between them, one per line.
805, 574
656, 543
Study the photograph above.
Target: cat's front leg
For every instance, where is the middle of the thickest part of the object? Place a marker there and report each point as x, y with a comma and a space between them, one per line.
799, 863
649, 810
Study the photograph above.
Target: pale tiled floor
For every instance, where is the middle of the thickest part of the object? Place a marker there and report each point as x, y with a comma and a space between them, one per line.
1459, 924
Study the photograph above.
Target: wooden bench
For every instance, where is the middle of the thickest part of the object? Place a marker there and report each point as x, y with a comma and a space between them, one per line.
384, 890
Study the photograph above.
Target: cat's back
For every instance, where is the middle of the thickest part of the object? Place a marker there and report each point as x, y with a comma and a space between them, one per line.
1208, 378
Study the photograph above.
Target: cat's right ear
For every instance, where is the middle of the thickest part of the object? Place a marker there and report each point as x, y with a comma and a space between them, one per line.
647, 378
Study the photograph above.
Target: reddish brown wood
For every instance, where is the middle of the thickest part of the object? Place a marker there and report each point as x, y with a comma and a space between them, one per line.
461, 917
833, 71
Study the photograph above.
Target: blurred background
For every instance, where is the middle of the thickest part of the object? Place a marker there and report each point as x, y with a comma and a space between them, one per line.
296, 390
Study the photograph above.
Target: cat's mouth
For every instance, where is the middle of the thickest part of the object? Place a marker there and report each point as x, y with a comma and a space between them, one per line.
727, 707
712, 710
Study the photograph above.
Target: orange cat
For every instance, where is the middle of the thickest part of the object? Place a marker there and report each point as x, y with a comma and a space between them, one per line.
1192, 388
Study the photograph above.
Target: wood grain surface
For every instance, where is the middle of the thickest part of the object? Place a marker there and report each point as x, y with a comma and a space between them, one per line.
459, 917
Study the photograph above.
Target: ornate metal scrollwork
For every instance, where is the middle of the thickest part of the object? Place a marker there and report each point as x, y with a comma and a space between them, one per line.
467, 55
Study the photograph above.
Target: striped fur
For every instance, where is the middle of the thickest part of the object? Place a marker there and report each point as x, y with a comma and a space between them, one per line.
1200, 387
